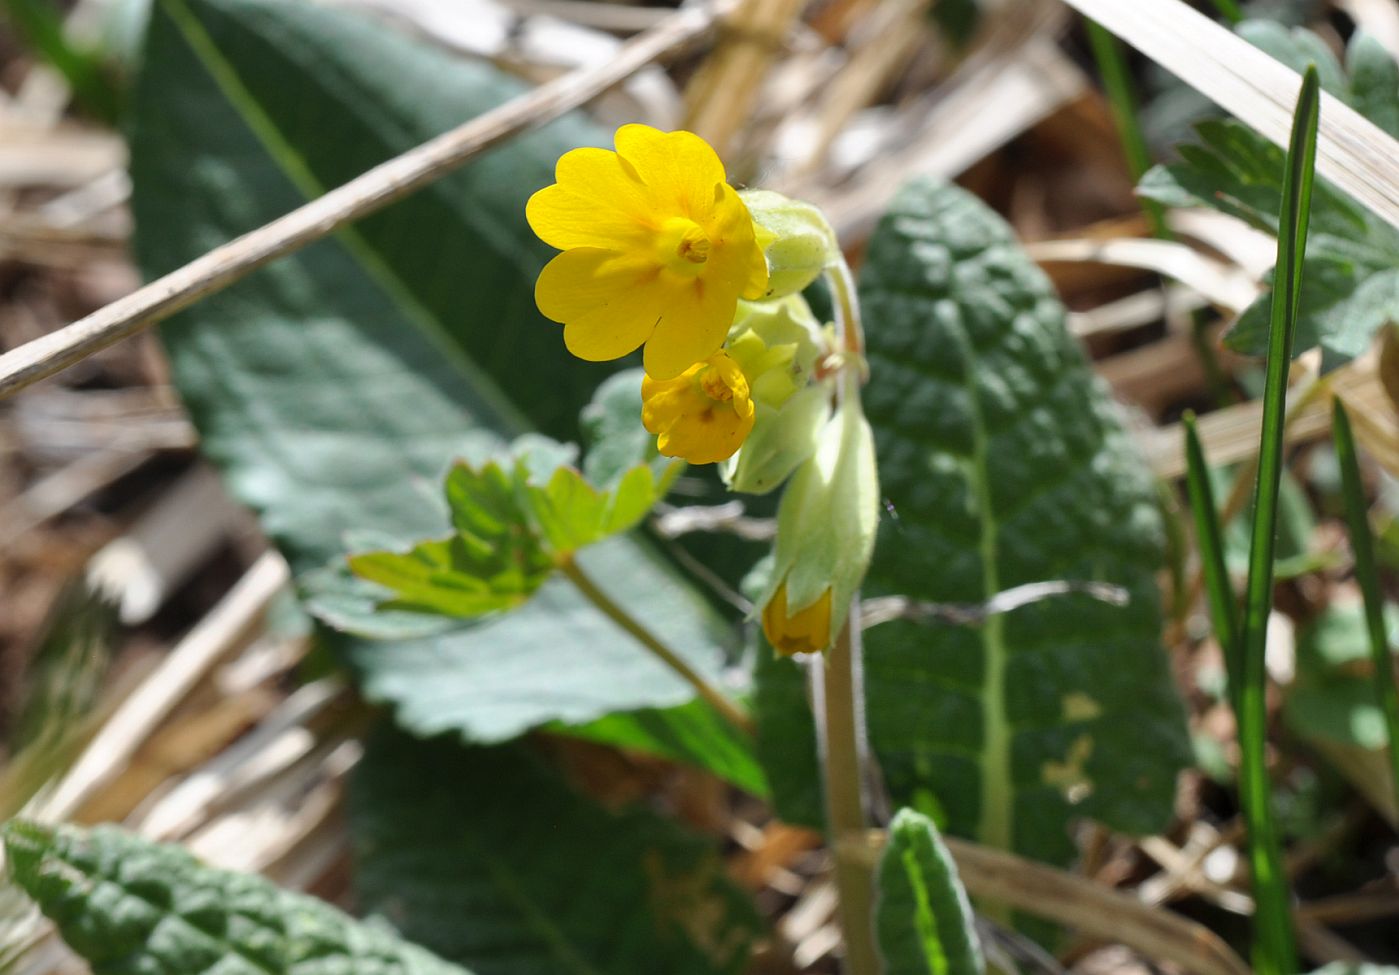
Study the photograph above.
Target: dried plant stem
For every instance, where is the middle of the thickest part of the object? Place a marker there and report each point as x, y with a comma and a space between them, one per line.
717, 700
1122, 98
365, 194
838, 700
1092, 909
722, 94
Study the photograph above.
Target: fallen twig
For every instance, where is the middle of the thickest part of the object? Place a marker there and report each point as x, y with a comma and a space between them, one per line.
363, 195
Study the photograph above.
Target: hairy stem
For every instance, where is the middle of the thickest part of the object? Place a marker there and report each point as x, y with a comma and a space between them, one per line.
665, 654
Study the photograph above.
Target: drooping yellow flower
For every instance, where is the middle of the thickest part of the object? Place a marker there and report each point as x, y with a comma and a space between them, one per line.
703, 415
657, 250
806, 631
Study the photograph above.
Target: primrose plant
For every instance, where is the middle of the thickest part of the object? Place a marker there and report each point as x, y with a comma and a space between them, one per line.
659, 253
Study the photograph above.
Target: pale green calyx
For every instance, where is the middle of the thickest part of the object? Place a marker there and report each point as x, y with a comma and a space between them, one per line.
782, 439
777, 344
795, 237
829, 514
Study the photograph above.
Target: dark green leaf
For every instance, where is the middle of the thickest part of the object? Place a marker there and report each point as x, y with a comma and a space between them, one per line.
1374, 82
128, 905
486, 856
1004, 463
923, 918
335, 387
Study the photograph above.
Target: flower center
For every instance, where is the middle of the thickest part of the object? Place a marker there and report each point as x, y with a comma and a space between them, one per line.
715, 386
683, 246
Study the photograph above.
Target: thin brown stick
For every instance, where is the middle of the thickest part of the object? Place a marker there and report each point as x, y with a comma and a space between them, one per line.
363, 195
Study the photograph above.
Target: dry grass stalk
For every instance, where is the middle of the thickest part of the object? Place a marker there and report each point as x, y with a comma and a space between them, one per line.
1223, 284
1087, 906
1231, 434
366, 194
226, 628
721, 96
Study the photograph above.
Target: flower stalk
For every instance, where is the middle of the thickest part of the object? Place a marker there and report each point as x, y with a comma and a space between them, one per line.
712, 695
837, 685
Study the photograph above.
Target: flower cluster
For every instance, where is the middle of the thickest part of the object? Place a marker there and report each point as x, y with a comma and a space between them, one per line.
660, 253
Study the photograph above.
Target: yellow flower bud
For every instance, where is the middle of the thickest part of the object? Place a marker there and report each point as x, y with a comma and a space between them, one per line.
796, 239
703, 415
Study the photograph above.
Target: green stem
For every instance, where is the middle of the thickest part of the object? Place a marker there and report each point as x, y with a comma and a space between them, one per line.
1117, 82
1209, 538
1275, 951
667, 656
837, 679
1366, 574
1122, 99
847, 308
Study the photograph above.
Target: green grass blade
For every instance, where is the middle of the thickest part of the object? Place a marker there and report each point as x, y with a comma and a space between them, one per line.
1229, 10
1117, 83
1209, 538
1366, 574
1122, 98
1275, 951
39, 23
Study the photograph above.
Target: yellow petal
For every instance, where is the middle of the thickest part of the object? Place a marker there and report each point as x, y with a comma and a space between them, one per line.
608, 304
708, 437
676, 166
703, 416
601, 175
692, 326
756, 285
563, 219
742, 255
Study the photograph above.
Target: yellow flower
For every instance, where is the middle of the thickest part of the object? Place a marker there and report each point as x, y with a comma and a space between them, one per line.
657, 249
703, 415
806, 631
